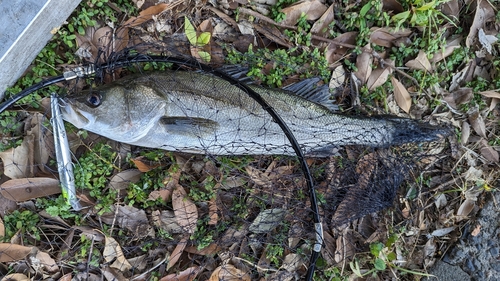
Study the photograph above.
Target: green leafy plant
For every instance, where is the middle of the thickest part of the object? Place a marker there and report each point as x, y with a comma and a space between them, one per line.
26, 221
197, 40
92, 173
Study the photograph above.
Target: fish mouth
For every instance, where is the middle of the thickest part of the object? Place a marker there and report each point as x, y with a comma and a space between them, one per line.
77, 117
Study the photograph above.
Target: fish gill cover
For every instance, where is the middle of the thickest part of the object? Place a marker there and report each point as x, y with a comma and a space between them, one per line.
183, 174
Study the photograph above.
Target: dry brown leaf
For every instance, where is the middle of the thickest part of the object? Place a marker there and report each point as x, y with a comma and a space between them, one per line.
421, 62
211, 249
228, 272
186, 212
177, 252
45, 261
451, 9
334, 52
378, 77
121, 181
15, 277
490, 94
477, 122
111, 274
392, 5
146, 15
21, 190
13, 252
272, 33
313, 9
66, 277
185, 275
484, 11
465, 208
364, 63
130, 218
488, 152
2, 228
42, 141
401, 95
328, 251
113, 252
465, 132
320, 27
144, 165
212, 212
15, 160
458, 97
386, 36
451, 45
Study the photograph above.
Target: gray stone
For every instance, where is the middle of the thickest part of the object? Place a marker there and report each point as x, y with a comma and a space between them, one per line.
446, 272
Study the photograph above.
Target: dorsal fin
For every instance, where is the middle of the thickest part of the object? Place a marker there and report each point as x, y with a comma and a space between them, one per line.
307, 88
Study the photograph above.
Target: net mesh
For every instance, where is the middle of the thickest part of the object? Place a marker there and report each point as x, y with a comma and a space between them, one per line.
227, 199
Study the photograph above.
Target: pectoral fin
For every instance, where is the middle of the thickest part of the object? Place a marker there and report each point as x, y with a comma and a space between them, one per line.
187, 126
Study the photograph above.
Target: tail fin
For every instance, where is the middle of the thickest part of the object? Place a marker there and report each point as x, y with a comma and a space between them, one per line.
408, 130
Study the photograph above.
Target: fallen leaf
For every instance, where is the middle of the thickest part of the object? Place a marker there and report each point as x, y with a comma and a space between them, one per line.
228, 272
321, 26
272, 33
490, 94
131, 218
465, 132
440, 201
292, 262
443, 231
449, 48
146, 15
386, 36
421, 62
177, 252
338, 78
13, 252
477, 122
45, 261
15, 277
364, 63
24, 189
2, 228
486, 40
186, 212
312, 9
488, 152
113, 252
476, 230
335, 52
267, 220
484, 12
378, 77
401, 95
465, 208
112, 274
211, 249
458, 97
121, 181
144, 165
188, 274
15, 160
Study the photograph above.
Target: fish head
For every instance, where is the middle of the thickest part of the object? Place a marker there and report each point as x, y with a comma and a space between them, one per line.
121, 111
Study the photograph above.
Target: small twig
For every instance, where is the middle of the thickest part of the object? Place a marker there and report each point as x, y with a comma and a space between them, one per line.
255, 265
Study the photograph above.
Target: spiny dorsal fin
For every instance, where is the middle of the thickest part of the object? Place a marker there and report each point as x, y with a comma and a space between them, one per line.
307, 88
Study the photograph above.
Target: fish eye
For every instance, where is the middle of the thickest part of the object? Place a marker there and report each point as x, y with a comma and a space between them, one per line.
94, 99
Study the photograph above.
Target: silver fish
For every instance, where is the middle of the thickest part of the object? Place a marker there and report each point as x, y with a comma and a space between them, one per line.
200, 113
